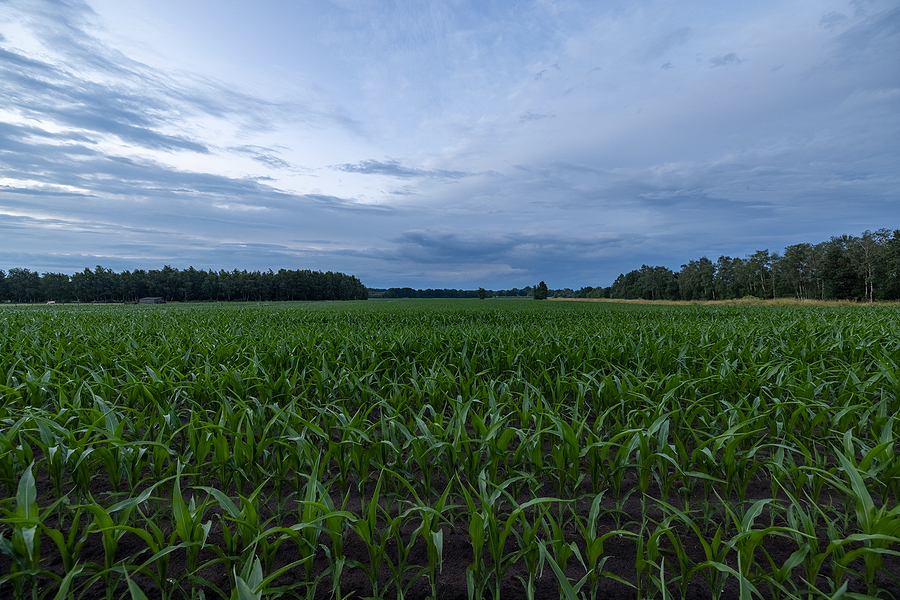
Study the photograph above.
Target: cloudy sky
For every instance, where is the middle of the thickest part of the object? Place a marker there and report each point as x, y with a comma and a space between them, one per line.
442, 143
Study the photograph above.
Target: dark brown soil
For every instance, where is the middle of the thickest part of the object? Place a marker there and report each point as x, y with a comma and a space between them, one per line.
457, 554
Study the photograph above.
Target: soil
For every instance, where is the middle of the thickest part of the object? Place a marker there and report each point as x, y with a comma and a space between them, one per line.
457, 554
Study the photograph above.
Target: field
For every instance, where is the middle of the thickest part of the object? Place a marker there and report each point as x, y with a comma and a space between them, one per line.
449, 449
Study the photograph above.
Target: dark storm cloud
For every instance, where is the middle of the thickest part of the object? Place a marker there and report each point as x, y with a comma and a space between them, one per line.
511, 247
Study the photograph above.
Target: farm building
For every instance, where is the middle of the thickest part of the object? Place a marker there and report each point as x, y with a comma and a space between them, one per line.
152, 300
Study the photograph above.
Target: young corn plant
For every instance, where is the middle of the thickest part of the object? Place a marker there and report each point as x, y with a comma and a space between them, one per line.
431, 518
880, 527
24, 548
368, 528
190, 530
746, 541
399, 567
594, 559
566, 589
488, 527
112, 523
530, 544
561, 550
650, 565
161, 547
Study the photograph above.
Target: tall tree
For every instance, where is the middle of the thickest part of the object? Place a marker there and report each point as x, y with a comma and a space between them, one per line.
840, 277
888, 271
696, 281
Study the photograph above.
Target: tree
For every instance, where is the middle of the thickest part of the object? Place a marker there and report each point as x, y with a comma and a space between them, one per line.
888, 272
696, 280
482, 293
657, 283
23, 285
540, 291
725, 280
56, 287
840, 276
758, 270
625, 286
796, 271
867, 254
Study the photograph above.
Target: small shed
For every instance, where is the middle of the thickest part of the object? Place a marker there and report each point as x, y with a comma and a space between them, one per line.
152, 300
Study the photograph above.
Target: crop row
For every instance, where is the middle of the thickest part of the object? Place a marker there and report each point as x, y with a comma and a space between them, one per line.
316, 451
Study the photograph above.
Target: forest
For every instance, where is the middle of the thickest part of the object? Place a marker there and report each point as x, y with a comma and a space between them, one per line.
863, 268
189, 285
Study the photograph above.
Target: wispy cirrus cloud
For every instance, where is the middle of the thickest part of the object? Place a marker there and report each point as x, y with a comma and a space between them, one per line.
530, 116
393, 168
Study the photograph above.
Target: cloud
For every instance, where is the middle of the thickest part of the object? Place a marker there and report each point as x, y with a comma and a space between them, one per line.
658, 46
879, 30
336, 203
263, 155
530, 116
832, 19
728, 60
393, 168
105, 159
77, 81
508, 254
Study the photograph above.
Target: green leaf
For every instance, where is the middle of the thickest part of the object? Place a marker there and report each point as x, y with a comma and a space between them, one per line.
66, 583
244, 591
26, 495
136, 592
569, 591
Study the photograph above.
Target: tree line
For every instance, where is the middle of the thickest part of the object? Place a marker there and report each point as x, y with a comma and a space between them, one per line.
847, 267
188, 285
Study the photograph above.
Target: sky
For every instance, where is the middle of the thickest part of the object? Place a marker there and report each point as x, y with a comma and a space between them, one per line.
442, 143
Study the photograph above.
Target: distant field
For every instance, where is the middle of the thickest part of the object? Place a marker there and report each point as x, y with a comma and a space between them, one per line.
450, 449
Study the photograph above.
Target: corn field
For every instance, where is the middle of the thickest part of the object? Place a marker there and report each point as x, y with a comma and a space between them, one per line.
449, 449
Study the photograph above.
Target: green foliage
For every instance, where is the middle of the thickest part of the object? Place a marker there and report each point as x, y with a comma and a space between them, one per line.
843, 268
189, 285
697, 440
